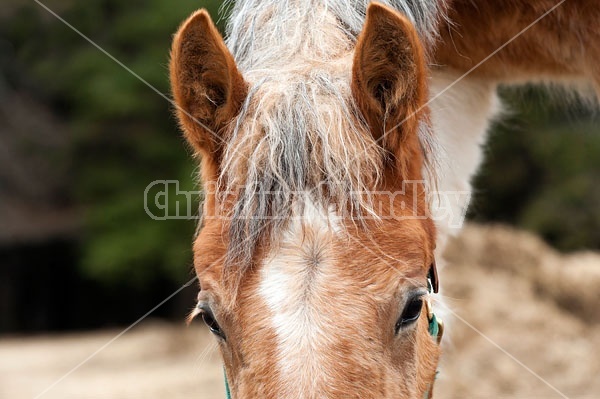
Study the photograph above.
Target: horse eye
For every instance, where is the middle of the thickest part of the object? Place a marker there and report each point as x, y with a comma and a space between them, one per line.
410, 314
209, 320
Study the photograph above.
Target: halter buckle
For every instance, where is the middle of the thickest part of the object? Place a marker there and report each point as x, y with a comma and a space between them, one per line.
436, 326
432, 278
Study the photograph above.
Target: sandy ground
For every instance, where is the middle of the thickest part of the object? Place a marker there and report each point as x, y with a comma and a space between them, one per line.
525, 325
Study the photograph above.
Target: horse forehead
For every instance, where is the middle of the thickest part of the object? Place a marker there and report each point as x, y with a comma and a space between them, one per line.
301, 260
315, 253
319, 300
316, 256
295, 282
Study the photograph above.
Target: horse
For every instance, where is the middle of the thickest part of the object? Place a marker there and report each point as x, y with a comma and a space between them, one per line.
322, 129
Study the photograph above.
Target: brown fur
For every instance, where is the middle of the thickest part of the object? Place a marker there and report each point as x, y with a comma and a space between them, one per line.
208, 90
389, 85
370, 267
370, 361
207, 87
563, 46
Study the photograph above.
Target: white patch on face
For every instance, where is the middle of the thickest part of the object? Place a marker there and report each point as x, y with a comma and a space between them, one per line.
292, 281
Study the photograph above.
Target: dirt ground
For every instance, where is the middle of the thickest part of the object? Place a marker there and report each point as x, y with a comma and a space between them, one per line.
524, 324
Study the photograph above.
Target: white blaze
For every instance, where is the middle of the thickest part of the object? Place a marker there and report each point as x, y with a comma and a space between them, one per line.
292, 281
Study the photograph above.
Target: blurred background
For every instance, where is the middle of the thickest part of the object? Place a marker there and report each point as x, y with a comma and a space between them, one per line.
81, 138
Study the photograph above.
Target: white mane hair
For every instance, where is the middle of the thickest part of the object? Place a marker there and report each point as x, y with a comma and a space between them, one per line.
299, 130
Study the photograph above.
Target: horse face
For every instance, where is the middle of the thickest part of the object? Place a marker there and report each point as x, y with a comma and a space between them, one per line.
327, 312
327, 302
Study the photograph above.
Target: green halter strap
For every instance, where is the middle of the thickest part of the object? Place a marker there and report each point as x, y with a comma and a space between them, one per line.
436, 327
227, 391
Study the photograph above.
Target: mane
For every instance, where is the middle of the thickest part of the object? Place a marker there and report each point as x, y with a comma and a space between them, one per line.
254, 23
299, 135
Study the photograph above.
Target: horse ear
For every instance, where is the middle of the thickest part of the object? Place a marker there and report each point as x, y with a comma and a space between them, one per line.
389, 75
207, 87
